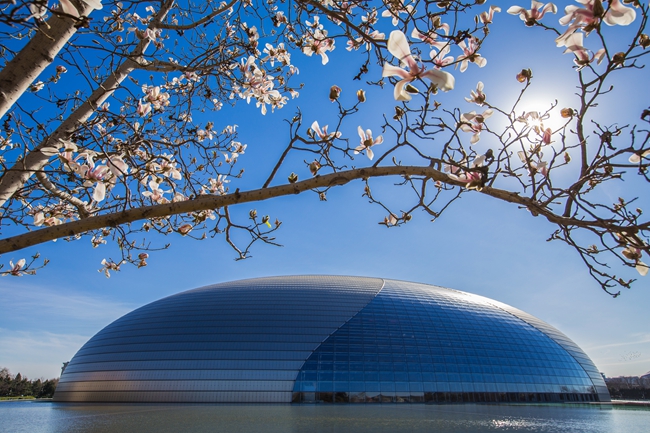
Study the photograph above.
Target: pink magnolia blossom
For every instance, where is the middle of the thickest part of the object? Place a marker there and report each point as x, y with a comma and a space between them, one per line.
633, 253
583, 56
156, 194
143, 108
589, 16
474, 123
534, 14
16, 269
486, 17
217, 186
390, 220
319, 44
471, 177
355, 44
440, 58
431, 37
470, 47
108, 266
477, 97
398, 46
395, 9
156, 97
117, 166
533, 166
94, 173
367, 142
322, 133
165, 166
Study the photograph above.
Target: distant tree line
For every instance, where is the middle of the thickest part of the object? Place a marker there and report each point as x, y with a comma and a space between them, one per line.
629, 387
17, 386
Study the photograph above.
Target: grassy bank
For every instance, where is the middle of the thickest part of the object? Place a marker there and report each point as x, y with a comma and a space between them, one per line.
27, 397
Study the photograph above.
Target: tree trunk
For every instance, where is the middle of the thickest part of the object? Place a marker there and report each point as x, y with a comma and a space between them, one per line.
15, 177
38, 54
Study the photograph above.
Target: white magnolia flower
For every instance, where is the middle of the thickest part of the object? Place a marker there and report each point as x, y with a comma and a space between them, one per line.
398, 46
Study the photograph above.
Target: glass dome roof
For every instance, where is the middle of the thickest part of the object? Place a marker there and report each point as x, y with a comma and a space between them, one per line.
329, 339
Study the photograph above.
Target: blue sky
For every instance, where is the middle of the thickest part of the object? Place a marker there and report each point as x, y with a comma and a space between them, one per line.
480, 245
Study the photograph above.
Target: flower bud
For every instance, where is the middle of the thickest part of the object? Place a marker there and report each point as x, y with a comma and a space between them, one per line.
411, 89
335, 92
566, 113
314, 167
293, 178
185, 229
252, 214
619, 58
143, 256
524, 75
361, 95
644, 40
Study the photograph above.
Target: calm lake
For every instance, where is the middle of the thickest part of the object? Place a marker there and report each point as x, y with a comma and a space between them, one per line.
37, 417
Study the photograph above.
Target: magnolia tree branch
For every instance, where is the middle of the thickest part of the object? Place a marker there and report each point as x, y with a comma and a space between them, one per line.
207, 202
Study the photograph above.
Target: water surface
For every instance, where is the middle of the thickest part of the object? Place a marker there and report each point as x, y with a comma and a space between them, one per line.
41, 417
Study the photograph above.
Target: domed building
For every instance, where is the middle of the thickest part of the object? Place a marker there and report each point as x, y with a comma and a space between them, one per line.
305, 339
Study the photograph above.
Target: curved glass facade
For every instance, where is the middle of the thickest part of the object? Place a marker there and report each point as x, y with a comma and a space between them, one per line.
329, 339
416, 343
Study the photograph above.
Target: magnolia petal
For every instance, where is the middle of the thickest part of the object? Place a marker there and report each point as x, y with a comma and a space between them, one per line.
443, 80
68, 8
324, 61
394, 71
550, 7
478, 161
100, 192
400, 93
619, 14
642, 268
522, 156
636, 158
361, 133
39, 217
371, 155
398, 46
95, 4
515, 10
